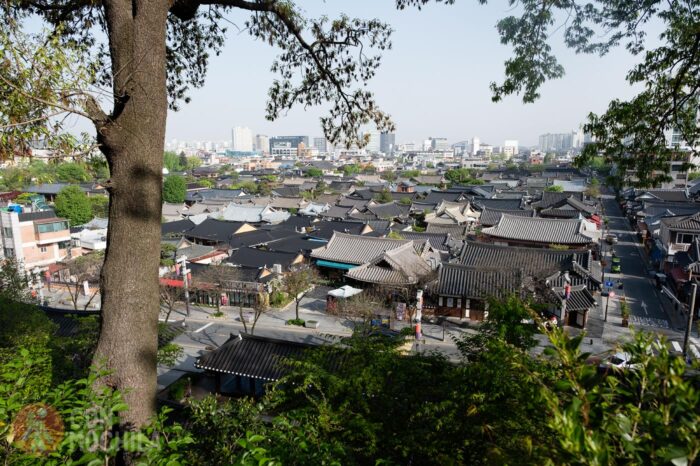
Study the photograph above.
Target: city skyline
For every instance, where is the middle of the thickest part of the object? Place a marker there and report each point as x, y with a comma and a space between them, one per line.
431, 85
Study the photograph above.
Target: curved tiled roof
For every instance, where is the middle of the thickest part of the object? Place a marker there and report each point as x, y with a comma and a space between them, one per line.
490, 217
355, 249
533, 262
477, 282
539, 230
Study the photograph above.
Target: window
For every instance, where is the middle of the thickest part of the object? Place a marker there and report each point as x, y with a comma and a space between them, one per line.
51, 227
9, 252
7, 232
43, 249
684, 238
450, 302
64, 244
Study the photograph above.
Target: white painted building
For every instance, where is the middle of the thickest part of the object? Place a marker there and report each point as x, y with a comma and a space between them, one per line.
242, 138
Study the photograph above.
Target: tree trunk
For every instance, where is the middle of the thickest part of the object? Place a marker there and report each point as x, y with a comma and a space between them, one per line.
296, 307
132, 139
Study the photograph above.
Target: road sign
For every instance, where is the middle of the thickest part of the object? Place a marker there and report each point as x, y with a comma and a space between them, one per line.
609, 283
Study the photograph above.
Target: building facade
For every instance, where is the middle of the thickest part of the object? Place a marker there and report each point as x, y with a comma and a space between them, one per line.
35, 239
387, 143
242, 139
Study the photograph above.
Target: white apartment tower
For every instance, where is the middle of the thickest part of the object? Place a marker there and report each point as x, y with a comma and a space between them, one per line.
242, 139
262, 143
510, 147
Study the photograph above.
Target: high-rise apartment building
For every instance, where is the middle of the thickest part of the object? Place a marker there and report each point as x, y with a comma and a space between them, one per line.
510, 147
475, 145
262, 143
439, 144
321, 144
374, 144
242, 139
556, 142
387, 143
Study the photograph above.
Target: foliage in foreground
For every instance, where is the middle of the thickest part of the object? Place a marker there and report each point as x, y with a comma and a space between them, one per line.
363, 402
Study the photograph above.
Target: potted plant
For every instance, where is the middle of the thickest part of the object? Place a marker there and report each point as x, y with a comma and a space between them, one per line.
625, 312
311, 324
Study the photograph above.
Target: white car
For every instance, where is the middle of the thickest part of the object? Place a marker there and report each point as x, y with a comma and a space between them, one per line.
621, 361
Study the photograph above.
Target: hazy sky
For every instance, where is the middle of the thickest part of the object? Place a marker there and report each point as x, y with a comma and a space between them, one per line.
434, 82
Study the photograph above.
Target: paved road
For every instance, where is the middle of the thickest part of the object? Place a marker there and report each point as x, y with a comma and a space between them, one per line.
645, 307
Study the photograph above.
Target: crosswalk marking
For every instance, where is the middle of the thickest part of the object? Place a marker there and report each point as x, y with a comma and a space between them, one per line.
649, 321
676, 346
695, 351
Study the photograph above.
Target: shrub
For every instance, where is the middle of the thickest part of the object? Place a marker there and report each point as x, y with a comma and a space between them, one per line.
299, 322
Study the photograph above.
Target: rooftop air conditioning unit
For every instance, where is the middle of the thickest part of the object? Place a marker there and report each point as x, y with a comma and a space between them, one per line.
277, 268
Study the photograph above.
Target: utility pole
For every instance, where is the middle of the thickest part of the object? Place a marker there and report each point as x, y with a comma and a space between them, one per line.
691, 311
184, 271
607, 303
419, 316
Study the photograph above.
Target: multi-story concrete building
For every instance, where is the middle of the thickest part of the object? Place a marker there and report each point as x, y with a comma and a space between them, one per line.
374, 143
288, 142
387, 143
439, 144
321, 144
510, 147
475, 145
35, 239
242, 139
262, 143
556, 142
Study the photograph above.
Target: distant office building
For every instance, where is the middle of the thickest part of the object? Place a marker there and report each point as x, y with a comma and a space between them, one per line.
461, 147
475, 145
485, 149
439, 144
510, 147
427, 144
292, 141
557, 142
387, 143
581, 138
242, 139
262, 143
374, 144
321, 144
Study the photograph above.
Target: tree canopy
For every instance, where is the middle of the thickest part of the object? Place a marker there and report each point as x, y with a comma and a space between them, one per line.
73, 204
174, 189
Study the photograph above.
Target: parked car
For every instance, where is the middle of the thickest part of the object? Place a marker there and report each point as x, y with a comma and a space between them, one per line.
615, 268
611, 238
620, 360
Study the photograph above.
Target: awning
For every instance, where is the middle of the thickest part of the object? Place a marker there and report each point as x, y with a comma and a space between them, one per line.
334, 265
345, 292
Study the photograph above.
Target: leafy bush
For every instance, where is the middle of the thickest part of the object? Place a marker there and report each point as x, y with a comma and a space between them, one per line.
279, 299
169, 353
299, 322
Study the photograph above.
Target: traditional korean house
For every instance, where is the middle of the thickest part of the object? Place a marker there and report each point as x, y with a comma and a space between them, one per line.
345, 251
540, 232
246, 363
463, 291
